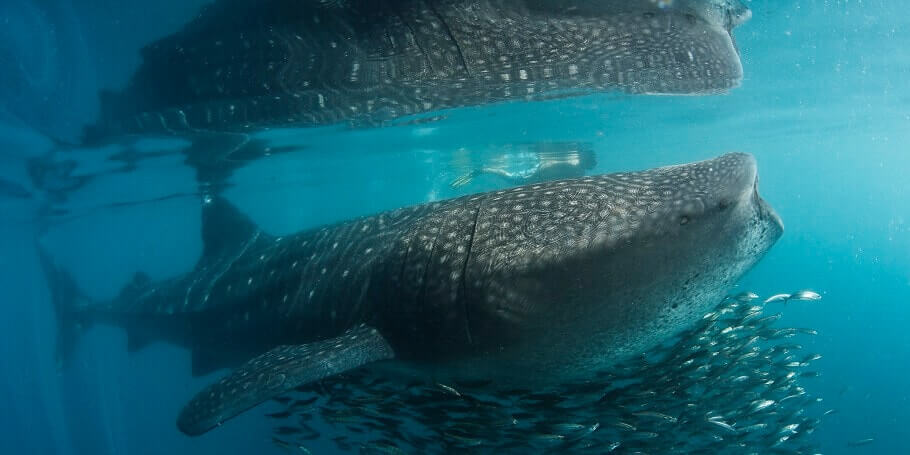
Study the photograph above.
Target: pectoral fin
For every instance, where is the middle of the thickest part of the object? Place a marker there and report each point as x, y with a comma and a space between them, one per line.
278, 371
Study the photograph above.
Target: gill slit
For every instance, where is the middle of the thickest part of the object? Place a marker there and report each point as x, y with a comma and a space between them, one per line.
462, 295
448, 30
423, 52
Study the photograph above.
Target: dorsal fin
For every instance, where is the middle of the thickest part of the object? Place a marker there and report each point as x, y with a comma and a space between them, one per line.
224, 228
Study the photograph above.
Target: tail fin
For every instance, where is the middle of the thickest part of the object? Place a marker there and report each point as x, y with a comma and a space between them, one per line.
66, 299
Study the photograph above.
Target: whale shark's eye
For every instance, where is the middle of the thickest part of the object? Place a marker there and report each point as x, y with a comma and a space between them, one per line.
648, 15
674, 306
691, 18
683, 220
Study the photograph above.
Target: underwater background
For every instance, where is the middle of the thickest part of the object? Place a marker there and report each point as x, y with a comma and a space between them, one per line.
824, 107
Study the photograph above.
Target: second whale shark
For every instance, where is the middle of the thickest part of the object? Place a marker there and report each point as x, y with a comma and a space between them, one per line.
533, 285
244, 65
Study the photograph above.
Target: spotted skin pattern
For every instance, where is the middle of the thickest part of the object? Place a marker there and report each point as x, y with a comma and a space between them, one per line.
539, 283
244, 66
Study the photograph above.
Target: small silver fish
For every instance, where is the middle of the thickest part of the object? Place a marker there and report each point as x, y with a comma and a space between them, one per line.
658, 415
750, 316
383, 447
588, 431
644, 435
805, 294
778, 298
623, 425
860, 442
759, 405
567, 427
768, 320
547, 437
754, 427
748, 355
722, 424
784, 333
746, 296
448, 389
469, 442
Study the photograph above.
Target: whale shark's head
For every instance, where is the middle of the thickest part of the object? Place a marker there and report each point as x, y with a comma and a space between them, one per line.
640, 46
607, 266
727, 13
682, 47
723, 14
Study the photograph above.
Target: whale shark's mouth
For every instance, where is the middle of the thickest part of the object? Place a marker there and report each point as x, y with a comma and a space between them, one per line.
765, 210
733, 42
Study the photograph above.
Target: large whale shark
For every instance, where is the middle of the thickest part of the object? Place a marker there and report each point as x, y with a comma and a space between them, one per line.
527, 286
244, 65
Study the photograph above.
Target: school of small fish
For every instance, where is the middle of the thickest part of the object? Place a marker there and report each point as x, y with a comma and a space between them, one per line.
732, 384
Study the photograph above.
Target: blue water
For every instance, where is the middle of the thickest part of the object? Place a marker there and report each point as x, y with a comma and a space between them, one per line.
825, 108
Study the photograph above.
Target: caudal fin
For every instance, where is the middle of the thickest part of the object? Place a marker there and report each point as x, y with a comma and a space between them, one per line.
66, 299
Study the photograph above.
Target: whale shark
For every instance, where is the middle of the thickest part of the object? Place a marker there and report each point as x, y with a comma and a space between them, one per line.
526, 286
244, 65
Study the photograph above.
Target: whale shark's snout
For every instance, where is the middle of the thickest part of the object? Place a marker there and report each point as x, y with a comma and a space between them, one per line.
765, 209
723, 14
706, 191
728, 14
742, 185
736, 14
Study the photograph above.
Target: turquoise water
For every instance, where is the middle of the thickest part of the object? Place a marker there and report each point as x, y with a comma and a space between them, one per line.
824, 107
